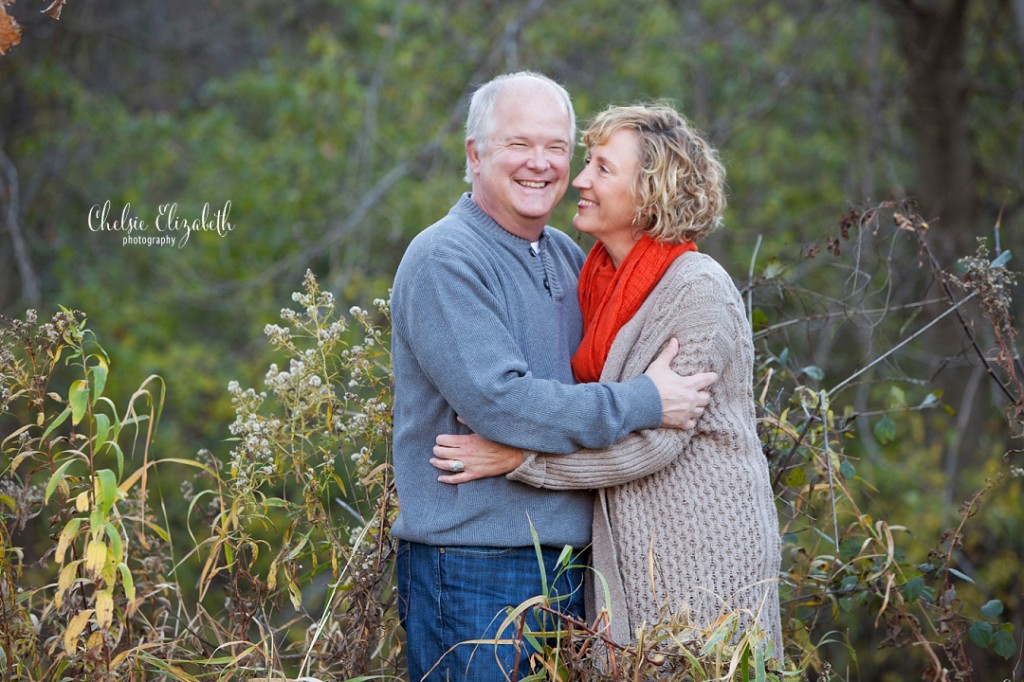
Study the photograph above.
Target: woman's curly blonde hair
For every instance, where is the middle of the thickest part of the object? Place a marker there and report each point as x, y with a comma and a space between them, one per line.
680, 186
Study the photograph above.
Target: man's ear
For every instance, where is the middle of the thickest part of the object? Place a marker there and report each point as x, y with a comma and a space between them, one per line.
473, 154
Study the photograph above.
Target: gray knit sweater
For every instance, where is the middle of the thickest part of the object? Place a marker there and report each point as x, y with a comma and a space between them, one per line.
483, 328
687, 518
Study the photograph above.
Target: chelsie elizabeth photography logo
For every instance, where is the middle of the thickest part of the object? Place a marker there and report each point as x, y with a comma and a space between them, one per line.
170, 227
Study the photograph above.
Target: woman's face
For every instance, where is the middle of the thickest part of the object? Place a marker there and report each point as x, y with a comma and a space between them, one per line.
606, 208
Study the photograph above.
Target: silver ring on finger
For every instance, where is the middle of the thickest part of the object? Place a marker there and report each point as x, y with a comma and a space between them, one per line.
456, 466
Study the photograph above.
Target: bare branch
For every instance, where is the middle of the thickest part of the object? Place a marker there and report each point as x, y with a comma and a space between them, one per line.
904, 342
9, 196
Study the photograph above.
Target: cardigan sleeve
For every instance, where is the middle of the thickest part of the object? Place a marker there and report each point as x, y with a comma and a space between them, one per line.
694, 310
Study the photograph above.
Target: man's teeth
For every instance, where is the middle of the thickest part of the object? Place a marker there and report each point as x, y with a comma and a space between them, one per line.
532, 185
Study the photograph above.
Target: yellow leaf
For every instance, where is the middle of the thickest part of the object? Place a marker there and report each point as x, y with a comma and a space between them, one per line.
272, 576
95, 557
65, 580
293, 592
109, 574
67, 535
75, 628
82, 501
104, 609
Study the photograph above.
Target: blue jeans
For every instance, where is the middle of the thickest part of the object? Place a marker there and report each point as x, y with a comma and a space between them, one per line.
448, 595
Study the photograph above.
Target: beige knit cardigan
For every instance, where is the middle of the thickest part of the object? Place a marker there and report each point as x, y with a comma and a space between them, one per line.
684, 519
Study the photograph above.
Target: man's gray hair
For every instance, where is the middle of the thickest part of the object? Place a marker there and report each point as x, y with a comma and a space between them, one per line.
480, 120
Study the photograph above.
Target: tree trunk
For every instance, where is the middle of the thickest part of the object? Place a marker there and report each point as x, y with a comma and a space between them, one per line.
931, 39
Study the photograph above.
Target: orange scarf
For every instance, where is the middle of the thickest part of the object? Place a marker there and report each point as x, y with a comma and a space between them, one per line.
609, 297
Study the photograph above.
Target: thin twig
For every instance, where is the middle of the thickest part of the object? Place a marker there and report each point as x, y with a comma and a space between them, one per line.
843, 313
784, 463
901, 344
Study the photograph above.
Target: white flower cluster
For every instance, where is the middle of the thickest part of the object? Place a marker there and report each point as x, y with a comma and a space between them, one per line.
6, 359
331, 334
313, 299
252, 460
299, 387
278, 335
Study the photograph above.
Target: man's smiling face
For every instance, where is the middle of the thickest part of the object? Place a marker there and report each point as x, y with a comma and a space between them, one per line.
522, 171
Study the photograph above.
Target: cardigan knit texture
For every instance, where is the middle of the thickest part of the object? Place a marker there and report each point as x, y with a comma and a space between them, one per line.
484, 329
686, 520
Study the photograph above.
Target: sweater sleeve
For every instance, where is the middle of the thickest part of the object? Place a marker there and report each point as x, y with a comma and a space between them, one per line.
458, 327
694, 312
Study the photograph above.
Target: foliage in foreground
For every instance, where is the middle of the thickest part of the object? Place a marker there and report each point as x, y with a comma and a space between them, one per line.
284, 565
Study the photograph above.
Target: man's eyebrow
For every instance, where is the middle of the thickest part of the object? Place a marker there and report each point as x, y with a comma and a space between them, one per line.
527, 138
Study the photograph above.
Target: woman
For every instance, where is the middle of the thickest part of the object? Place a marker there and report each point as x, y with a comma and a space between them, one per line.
684, 520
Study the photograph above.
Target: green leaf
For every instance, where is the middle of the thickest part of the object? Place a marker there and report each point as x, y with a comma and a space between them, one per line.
99, 377
102, 429
814, 372
795, 477
57, 477
563, 558
120, 457
758, 319
849, 548
980, 633
1003, 642
961, 575
913, 589
847, 470
885, 431
116, 544
992, 608
106, 490
540, 556
78, 398
1001, 260
55, 423
897, 399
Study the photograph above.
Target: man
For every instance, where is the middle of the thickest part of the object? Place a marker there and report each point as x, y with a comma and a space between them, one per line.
485, 321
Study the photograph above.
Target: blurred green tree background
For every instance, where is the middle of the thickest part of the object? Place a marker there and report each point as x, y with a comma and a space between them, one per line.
331, 132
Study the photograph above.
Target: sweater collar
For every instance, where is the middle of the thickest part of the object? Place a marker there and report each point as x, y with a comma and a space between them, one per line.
472, 212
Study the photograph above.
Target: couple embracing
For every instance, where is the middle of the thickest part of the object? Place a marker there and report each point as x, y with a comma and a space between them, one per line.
603, 402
